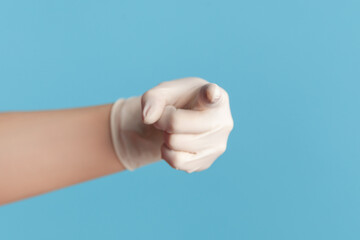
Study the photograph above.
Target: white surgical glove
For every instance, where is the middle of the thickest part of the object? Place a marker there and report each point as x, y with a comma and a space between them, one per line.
186, 122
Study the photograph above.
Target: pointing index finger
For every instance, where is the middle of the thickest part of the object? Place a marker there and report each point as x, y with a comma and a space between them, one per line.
187, 121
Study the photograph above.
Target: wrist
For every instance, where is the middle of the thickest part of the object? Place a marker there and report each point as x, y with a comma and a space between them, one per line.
135, 143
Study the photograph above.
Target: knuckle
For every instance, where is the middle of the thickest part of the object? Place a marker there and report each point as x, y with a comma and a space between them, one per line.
222, 148
230, 125
148, 94
172, 141
224, 93
176, 161
188, 168
204, 167
198, 79
225, 98
163, 83
207, 164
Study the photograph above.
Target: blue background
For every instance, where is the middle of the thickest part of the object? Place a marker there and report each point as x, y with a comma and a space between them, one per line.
291, 68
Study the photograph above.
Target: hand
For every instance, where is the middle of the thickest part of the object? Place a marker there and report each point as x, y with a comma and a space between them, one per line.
195, 118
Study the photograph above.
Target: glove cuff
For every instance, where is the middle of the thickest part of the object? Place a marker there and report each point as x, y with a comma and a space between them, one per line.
115, 125
135, 143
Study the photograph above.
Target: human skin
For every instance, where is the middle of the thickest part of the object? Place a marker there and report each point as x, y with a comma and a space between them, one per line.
42, 151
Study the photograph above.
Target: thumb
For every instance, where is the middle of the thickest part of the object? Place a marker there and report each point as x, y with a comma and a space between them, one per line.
153, 107
208, 96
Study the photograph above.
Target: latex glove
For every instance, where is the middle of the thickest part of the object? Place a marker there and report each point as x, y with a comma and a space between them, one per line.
186, 122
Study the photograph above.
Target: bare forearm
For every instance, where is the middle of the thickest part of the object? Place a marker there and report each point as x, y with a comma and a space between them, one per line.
47, 150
